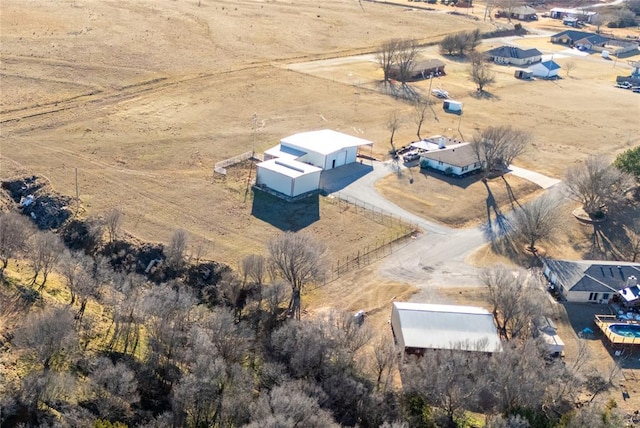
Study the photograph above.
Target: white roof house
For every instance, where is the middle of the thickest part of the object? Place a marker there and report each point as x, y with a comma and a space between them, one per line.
545, 69
302, 157
419, 327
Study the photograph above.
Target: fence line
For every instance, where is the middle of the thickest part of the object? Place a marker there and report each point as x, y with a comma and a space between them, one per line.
221, 167
370, 253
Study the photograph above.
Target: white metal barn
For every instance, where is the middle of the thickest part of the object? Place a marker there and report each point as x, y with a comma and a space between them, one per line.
420, 327
287, 176
325, 149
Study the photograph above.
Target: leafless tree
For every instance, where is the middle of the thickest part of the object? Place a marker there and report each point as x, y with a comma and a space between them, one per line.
114, 388
299, 259
480, 71
538, 220
393, 124
175, 252
598, 20
449, 44
498, 146
113, 223
254, 268
49, 336
289, 405
488, 11
632, 247
420, 108
597, 184
511, 421
405, 59
98, 272
72, 267
507, 6
274, 297
569, 66
383, 362
386, 57
126, 301
14, 233
45, 248
516, 299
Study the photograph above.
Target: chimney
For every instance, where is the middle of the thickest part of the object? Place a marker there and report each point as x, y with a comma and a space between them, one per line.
441, 144
632, 281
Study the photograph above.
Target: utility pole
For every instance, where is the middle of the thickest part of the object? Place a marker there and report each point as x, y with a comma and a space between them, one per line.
77, 192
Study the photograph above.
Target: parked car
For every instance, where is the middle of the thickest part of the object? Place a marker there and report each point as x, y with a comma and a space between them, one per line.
624, 85
440, 93
411, 156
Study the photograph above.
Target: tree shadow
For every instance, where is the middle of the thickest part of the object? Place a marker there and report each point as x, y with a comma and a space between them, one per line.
512, 196
286, 215
484, 95
497, 225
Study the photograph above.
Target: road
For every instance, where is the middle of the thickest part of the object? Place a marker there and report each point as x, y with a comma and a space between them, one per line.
438, 257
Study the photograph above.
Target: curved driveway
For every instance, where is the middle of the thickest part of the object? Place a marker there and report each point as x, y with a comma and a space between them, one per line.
437, 257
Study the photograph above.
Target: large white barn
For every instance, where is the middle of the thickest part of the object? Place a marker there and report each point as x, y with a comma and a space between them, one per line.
419, 327
293, 167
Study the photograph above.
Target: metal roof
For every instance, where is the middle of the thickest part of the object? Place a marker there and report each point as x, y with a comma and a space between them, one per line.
324, 142
428, 326
288, 167
457, 155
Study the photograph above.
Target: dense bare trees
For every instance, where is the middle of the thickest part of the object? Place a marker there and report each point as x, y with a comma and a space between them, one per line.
516, 299
460, 43
597, 185
299, 259
399, 54
45, 248
497, 146
113, 224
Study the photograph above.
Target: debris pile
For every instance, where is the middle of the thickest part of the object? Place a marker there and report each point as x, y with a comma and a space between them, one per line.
47, 209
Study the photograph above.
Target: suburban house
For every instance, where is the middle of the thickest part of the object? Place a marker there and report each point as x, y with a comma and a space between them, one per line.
294, 166
581, 15
420, 70
523, 13
513, 55
457, 159
546, 69
571, 38
589, 280
418, 328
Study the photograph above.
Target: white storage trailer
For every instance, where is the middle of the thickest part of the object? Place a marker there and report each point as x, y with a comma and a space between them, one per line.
452, 106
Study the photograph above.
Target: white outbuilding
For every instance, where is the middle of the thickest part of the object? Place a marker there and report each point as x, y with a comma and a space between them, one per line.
419, 327
546, 69
289, 177
294, 166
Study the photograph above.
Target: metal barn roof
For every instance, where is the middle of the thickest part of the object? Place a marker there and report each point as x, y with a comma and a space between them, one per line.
288, 167
324, 142
428, 326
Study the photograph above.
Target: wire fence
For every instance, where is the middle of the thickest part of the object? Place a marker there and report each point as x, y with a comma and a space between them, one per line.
383, 247
221, 167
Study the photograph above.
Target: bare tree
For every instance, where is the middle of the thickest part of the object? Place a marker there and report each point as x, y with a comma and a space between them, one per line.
72, 267
14, 233
386, 57
480, 71
113, 223
538, 220
420, 108
114, 388
449, 44
598, 20
597, 185
498, 146
569, 66
299, 259
516, 299
405, 58
632, 247
393, 124
49, 336
254, 268
45, 248
385, 358
175, 252
127, 313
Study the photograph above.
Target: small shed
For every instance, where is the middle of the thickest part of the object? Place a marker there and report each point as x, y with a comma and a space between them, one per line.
523, 74
452, 106
288, 177
546, 69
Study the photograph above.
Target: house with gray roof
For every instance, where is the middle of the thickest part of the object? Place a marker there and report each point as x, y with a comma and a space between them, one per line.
514, 55
594, 281
571, 37
457, 159
418, 328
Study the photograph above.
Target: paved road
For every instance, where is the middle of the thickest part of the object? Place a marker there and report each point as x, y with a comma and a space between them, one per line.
437, 257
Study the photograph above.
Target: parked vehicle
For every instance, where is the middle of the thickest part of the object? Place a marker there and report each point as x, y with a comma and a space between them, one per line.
440, 93
624, 85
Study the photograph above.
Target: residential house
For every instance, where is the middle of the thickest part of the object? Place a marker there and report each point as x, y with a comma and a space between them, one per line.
514, 55
420, 70
418, 328
457, 159
589, 280
523, 13
571, 37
